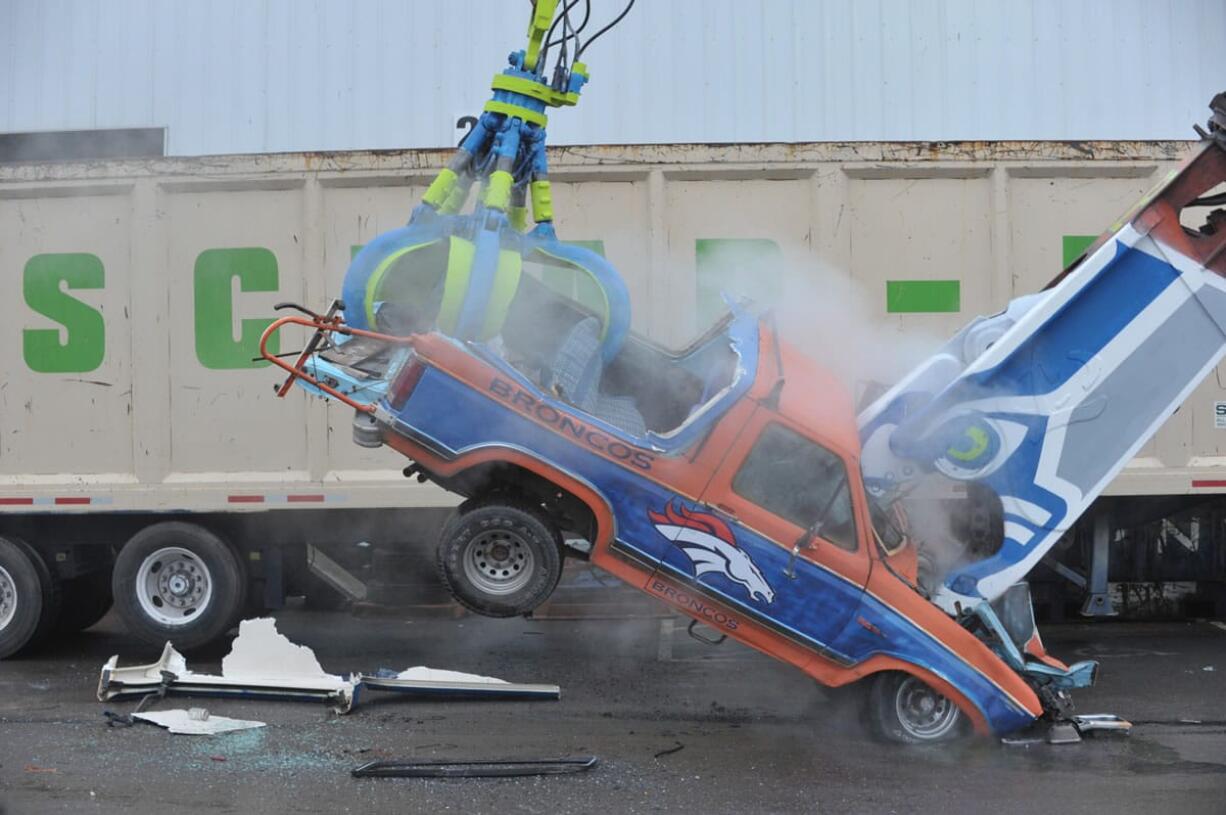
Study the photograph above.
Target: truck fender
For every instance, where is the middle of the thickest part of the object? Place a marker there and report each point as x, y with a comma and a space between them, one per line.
584, 491
883, 662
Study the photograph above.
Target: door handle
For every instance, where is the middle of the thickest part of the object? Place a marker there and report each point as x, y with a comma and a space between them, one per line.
726, 509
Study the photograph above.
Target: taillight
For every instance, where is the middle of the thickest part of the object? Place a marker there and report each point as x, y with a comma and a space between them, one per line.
406, 380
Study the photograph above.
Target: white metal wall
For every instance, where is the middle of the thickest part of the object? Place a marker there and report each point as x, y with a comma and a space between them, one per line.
228, 76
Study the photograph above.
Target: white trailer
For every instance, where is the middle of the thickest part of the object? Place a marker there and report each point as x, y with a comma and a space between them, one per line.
142, 451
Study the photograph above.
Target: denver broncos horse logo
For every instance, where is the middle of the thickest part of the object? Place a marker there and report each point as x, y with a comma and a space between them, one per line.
710, 545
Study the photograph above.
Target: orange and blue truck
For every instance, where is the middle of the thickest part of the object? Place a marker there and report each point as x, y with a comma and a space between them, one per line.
733, 479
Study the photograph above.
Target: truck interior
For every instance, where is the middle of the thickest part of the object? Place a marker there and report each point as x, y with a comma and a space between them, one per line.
552, 334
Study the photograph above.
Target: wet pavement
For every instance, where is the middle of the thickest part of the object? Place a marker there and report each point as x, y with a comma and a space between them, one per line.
677, 726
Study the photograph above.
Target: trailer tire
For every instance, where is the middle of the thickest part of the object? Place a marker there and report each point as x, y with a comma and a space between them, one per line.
500, 556
903, 709
29, 597
178, 582
84, 600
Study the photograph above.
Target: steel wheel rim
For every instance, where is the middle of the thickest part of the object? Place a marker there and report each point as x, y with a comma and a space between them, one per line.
173, 586
922, 712
499, 562
8, 598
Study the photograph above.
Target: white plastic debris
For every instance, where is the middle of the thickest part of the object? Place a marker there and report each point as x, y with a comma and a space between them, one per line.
421, 673
195, 722
433, 682
261, 663
261, 651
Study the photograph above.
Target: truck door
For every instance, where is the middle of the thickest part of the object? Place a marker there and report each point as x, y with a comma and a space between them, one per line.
773, 485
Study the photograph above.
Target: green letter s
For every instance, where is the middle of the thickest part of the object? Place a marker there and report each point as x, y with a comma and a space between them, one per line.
86, 331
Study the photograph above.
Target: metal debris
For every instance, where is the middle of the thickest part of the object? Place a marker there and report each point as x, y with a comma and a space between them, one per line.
1063, 733
263, 663
1101, 722
430, 682
473, 769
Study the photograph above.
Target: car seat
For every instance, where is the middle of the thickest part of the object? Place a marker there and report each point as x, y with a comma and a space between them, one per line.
575, 377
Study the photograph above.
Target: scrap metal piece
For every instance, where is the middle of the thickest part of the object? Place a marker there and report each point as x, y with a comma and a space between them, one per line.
1021, 741
473, 769
195, 722
1063, 733
261, 663
430, 682
1104, 722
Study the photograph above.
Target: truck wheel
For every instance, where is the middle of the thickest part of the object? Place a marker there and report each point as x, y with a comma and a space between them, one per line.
500, 557
901, 708
179, 582
29, 597
84, 601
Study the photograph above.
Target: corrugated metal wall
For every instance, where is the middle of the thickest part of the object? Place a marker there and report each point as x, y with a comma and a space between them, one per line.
275, 75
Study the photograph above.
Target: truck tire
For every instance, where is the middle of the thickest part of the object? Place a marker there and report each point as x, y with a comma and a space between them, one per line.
903, 709
178, 582
84, 600
29, 597
500, 557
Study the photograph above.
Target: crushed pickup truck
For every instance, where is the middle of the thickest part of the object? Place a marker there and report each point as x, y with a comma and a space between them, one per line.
733, 479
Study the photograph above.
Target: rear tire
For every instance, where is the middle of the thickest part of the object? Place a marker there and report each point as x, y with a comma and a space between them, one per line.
178, 582
29, 597
500, 557
902, 709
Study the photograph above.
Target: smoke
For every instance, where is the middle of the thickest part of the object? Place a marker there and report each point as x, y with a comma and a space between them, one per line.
83, 145
839, 323
823, 311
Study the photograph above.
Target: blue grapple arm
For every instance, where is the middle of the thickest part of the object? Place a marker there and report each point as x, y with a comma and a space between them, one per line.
480, 251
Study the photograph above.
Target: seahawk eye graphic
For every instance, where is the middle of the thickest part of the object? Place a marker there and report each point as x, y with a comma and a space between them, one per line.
711, 547
977, 445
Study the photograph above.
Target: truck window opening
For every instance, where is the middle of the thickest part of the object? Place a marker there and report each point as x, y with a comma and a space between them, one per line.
797, 479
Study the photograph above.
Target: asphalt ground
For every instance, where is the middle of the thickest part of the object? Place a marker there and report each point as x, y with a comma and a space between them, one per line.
677, 726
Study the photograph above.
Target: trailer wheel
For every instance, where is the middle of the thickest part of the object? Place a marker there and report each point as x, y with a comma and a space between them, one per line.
84, 601
903, 709
179, 582
500, 557
29, 597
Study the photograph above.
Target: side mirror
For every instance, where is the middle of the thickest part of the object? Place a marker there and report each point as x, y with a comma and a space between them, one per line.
807, 540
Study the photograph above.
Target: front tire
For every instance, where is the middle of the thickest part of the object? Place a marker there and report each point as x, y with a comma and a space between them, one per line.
29, 597
500, 557
178, 582
903, 709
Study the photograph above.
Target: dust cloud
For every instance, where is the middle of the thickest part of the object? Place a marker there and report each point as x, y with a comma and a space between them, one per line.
836, 321
825, 312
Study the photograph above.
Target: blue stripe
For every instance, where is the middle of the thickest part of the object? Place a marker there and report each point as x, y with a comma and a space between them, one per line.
1083, 326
